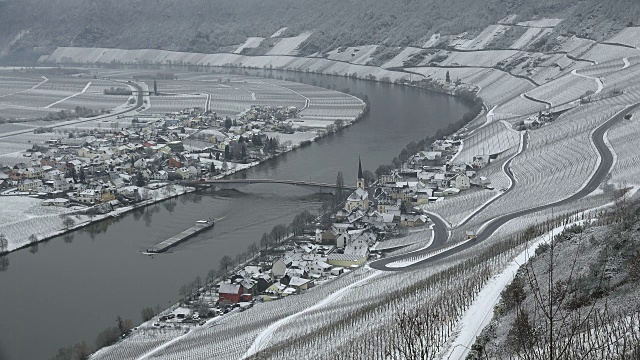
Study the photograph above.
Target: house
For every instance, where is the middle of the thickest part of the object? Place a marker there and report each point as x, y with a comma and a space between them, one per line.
320, 268
58, 185
480, 161
299, 283
160, 175
184, 173
88, 196
29, 185
461, 182
471, 235
358, 247
173, 163
450, 192
279, 268
413, 220
229, 293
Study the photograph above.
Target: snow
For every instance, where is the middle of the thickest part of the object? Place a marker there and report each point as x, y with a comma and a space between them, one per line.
356, 55
404, 55
565, 89
480, 313
432, 41
265, 336
289, 45
279, 32
250, 43
425, 237
627, 36
541, 23
530, 37
485, 37
605, 52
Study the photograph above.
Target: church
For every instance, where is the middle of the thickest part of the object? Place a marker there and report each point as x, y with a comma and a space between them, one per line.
360, 197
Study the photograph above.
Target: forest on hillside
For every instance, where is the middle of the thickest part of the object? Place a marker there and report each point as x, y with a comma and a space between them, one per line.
33, 27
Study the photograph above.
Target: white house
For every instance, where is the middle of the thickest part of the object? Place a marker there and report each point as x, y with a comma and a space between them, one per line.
480, 161
29, 185
160, 175
278, 269
461, 182
88, 196
320, 268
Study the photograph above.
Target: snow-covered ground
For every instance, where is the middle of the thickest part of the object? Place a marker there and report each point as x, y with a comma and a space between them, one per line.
22, 216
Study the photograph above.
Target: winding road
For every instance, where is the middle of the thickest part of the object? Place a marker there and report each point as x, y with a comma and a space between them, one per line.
440, 228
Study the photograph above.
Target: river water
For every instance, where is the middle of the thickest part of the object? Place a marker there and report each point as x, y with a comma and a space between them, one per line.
75, 286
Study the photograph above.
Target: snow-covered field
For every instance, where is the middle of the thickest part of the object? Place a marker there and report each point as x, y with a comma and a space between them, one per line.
454, 209
543, 23
289, 45
605, 52
628, 36
565, 89
22, 216
485, 37
558, 161
518, 106
623, 139
404, 55
501, 87
31, 96
356, 55
421, 237
250, 43
530, 37
576, 46
492, 139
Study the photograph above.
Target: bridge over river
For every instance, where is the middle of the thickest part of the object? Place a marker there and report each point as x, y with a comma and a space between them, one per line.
233, 183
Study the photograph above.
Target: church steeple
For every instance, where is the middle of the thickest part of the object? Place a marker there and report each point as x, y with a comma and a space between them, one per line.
360, 181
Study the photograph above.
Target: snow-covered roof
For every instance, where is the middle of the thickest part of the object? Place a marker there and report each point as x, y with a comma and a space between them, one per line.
297, 281
229, 289
358, 195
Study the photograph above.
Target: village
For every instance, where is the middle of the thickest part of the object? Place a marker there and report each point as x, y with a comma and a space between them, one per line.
143, 159
314, 250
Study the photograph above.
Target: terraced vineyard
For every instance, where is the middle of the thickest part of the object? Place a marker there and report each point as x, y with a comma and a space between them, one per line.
558, 161
492, 139
455, 209
628, 36
623, 138
601, 53
565, 89
518, 106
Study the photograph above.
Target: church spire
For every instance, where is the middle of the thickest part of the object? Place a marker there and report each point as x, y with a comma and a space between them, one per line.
359, 168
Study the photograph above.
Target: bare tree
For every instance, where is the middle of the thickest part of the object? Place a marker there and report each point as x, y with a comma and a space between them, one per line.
145, 194
147, 314
411, 334
33, 242
67, 222
4, 243
253, 249
225, 263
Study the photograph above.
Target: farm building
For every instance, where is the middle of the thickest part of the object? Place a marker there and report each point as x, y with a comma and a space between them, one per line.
229, 293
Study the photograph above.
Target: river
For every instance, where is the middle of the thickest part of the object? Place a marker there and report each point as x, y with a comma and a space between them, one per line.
75, 286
